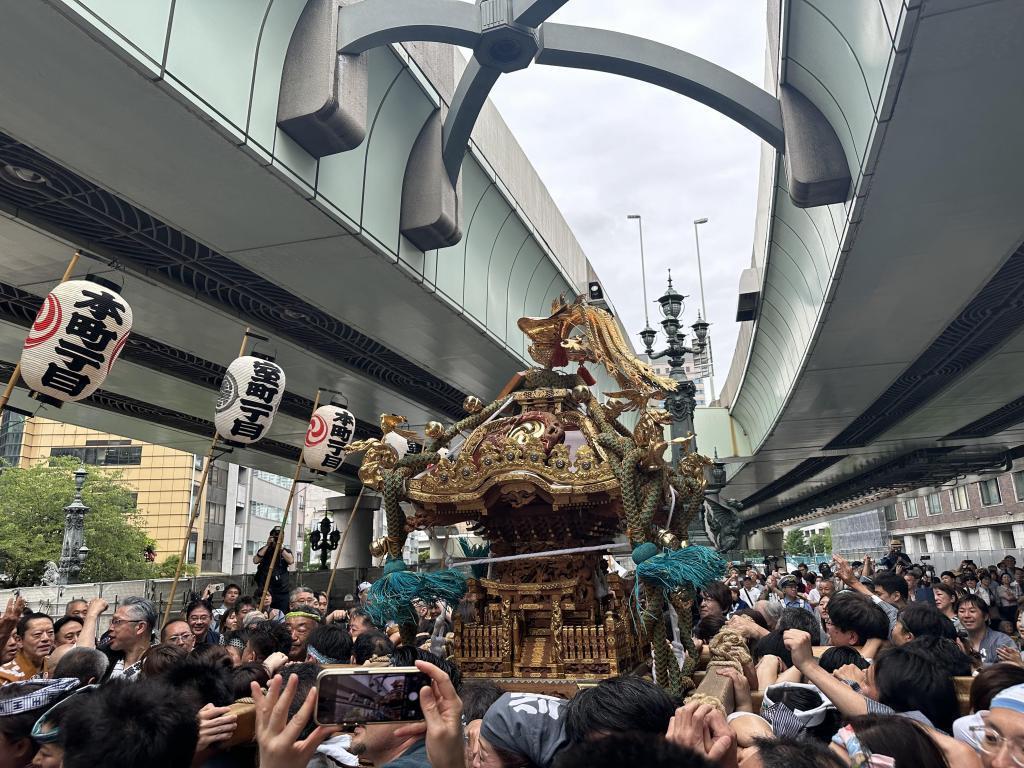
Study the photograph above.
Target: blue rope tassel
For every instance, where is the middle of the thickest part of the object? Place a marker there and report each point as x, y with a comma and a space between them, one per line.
697, 566
391, 596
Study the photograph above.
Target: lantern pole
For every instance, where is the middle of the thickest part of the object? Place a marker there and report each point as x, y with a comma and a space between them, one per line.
9, 389
284, 521
194, 513
344, 538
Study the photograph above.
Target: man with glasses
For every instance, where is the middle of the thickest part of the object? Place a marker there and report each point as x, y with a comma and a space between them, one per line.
302, 598
1000, 737
178, 632
130, 633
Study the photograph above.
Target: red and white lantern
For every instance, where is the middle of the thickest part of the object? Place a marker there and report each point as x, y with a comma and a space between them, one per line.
248, 400
331, 429
75, 339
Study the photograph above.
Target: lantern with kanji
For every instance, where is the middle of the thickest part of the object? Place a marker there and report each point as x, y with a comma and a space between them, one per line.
331, 429
75, 339
249, 396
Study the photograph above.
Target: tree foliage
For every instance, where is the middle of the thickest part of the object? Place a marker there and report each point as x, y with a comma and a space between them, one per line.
821, 542
32, 505
795, 543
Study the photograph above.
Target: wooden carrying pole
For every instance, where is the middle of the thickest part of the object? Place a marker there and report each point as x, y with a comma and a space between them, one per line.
284, 521
196, 502
344, 538
9, 389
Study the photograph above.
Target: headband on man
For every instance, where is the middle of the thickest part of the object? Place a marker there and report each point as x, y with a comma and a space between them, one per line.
34, 694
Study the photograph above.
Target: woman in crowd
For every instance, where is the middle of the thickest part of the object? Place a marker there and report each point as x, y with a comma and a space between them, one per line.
1008, 592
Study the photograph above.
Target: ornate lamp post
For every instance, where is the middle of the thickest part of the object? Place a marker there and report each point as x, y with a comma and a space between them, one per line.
324, 540
679, 404
73, 552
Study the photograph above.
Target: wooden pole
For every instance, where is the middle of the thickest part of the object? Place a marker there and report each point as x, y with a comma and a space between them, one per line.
284, 522
344, 538
9, 389
196, 502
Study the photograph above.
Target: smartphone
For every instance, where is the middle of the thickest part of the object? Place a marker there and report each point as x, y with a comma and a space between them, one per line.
369, 695
217, 587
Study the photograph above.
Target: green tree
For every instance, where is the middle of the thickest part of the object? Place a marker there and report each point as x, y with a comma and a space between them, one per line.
795, 543
32, 505
821, 543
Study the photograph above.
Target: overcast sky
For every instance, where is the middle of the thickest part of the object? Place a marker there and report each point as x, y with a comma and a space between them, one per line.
607, 147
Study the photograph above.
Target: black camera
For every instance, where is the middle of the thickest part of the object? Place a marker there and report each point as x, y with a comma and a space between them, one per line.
825, 570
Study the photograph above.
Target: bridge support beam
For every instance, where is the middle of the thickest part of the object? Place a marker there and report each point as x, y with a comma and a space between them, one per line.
324, 92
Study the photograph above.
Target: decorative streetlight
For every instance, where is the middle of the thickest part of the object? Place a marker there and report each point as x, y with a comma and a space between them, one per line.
324, 540
73, 552
679, 404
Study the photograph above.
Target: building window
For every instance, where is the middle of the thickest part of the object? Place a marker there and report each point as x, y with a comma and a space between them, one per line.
910, 508
890, 513
267, 511
1018, 485
934, 502
190, 553
922, 544
946, 542
215, 513
1006, 538
252, 547
270, 477
958, 498
989, 490
101, 456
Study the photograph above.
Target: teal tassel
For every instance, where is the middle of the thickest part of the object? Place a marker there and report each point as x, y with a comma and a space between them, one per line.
390, 597
448, 586
696, 566
476, 551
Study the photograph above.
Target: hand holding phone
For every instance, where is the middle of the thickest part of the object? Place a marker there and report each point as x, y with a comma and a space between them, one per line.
369, 695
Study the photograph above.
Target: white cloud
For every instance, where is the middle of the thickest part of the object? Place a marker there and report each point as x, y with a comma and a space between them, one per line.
607, 146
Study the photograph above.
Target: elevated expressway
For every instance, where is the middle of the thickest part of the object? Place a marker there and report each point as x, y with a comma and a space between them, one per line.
145, 134
888, 345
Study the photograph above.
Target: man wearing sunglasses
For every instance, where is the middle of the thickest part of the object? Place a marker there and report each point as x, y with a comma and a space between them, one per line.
131, 634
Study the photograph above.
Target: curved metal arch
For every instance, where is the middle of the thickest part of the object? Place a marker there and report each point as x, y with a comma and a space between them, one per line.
372, 23
638, 58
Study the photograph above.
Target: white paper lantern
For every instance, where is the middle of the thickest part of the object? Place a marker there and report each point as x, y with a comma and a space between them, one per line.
399, 443
331, 429
75, 339
249, 396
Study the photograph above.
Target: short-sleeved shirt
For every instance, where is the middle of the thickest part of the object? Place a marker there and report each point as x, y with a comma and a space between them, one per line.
992, 641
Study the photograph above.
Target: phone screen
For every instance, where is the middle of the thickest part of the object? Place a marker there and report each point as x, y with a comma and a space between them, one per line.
385, 695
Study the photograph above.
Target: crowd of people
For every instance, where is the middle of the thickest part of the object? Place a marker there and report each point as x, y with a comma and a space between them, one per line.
860, 664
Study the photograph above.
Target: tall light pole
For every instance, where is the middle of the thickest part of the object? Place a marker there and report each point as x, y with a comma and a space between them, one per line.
73, 552
704, 310
648, 333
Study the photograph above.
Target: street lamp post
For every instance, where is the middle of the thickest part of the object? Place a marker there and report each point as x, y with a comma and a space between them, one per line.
324, 540
704, 311
681, 403
73, 552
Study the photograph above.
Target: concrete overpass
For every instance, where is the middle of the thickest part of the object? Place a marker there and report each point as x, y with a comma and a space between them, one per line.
146, 134
888, 340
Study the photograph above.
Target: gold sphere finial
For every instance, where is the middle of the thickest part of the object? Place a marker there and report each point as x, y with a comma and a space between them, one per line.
472, 404
379, 547
434, 429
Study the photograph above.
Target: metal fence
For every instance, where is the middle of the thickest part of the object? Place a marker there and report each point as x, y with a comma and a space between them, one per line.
54, 600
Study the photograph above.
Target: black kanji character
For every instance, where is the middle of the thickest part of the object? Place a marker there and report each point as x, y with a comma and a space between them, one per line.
246, 429
93, 333
64, 380
345, 418
78, 356
253, 409
102, 305
335, 447
332, 462
266, 373
261, 391
341, 431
